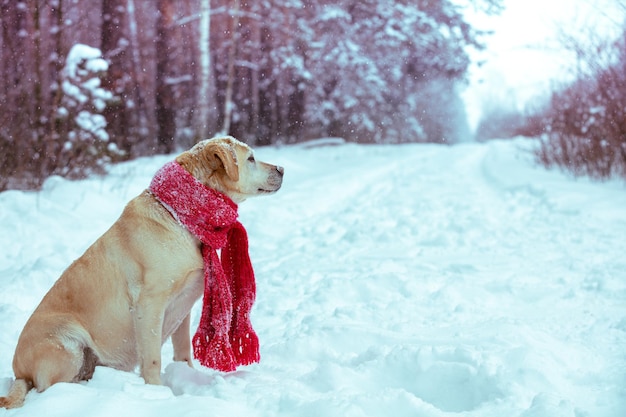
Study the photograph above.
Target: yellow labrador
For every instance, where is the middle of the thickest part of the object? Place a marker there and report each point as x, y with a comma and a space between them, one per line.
135, 286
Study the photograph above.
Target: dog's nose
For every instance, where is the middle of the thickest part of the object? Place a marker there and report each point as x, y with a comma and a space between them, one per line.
280, 170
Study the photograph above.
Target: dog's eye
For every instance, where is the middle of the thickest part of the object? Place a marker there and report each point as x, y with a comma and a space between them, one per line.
251, 158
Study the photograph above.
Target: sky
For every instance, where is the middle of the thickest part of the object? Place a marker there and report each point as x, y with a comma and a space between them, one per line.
524, 58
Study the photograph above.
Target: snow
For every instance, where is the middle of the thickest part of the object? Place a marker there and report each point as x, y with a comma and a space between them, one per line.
83, 60
413, 280
83, 93
93, 123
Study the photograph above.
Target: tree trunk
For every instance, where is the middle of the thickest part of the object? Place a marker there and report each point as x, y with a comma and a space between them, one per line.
166, 121
140, 126
114, 48
254, 82
228, 101
56, 130
15, 126
205, 98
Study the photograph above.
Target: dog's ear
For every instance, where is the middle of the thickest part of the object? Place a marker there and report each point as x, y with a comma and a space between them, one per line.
209, 156
222, 155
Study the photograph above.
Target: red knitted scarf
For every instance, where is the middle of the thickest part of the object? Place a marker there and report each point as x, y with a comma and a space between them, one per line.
225, 338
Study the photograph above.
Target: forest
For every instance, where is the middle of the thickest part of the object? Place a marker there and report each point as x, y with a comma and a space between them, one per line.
85, 84
88, 83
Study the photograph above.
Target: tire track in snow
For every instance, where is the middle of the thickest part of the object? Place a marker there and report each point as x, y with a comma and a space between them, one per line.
361, 272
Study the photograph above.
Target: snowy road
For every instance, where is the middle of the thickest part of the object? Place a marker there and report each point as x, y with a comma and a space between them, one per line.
417, 280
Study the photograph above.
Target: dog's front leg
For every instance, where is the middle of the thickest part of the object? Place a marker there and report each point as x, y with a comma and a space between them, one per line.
182, 342
149, 331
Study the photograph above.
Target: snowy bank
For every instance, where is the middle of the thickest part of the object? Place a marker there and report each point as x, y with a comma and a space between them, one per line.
413, 280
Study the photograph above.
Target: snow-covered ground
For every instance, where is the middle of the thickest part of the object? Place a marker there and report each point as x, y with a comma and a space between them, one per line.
414, 280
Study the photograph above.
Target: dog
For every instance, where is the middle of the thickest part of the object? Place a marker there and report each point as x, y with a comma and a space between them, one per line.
134, 287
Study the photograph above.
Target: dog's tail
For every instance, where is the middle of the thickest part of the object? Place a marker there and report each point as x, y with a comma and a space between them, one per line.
16, 395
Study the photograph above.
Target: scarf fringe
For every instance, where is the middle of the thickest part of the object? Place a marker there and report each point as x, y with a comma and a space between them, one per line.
244, 341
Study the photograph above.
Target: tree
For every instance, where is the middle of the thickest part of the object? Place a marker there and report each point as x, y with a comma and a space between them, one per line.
165, 113
276, 71
206, 91
375, 60
31, 65
126, 113
114, 46
83, 101
230, 73
584, 124
16, 129
357, 69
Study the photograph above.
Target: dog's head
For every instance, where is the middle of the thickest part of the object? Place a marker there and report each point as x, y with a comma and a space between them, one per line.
229, 166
